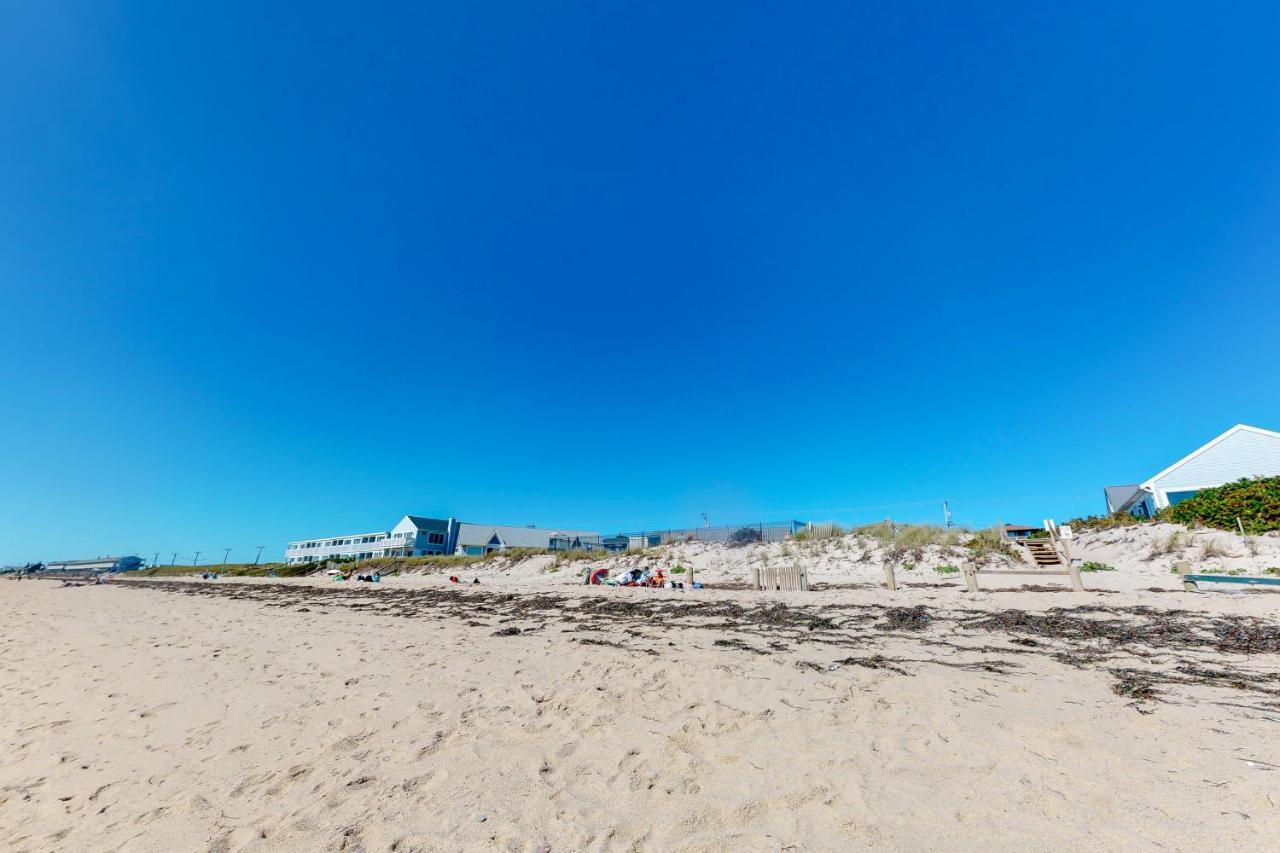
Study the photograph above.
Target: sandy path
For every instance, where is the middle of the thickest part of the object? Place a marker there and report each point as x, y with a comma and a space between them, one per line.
314, 719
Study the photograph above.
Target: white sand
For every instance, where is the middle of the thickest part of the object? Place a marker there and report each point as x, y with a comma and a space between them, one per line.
143, 719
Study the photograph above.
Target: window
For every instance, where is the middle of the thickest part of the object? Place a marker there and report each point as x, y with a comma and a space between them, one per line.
1176, 498
435, 538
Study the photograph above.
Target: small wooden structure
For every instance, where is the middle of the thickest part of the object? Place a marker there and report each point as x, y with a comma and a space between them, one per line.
1189, 579
780, 578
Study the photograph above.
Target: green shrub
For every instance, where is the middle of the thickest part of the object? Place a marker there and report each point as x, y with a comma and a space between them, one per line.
1097, 567
745, 536
678, 570
946, 570
1104, 522
1273, 570
1255, 502
986, 544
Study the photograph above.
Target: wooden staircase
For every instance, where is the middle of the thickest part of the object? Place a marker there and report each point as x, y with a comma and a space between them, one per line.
1044, 553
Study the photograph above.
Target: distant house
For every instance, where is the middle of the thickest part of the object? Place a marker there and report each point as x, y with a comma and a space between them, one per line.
101, 564
1019, 531
1241, 452
415, 536
476, 539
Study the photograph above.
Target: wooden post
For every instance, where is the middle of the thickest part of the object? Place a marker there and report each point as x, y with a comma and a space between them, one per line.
971, 577
804, 579
1183, 571
1076, 583
755, 577
889, 580
689, 575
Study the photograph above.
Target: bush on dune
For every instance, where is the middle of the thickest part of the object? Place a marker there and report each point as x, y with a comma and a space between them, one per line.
1255, 502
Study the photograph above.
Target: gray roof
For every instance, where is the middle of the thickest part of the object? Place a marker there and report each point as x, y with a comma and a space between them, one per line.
422, 523
514, 537
1120, 497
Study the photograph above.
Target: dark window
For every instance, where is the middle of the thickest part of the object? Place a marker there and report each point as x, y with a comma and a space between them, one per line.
435, 538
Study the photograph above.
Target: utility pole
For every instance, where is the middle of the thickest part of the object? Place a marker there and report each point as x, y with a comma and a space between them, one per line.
946, 516
155, 561
174, 560
705, 521
255, 559
195, 561
224, 559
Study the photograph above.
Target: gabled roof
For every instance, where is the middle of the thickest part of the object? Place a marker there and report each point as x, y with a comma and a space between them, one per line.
425, 523
1149, 482
1122, 497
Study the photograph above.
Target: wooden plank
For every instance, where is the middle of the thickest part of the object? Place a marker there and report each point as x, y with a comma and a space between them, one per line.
1032, 572
1231, 579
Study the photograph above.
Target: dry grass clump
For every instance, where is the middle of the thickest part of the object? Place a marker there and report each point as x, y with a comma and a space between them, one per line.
563, 557
1214, 548
1169, 544
899, 541
439, 562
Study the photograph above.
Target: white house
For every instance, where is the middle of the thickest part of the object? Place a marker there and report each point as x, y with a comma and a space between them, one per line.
1240, 452
415, 536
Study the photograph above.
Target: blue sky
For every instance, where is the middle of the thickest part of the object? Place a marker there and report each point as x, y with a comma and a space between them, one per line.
269, 274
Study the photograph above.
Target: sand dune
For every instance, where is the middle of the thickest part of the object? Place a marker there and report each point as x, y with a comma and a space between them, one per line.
305, 715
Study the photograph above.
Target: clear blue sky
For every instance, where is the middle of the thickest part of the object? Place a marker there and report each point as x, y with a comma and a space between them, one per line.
270, 271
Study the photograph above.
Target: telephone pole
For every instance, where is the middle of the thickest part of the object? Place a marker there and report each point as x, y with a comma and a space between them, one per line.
255, 559
946, 516
195, 561
174, 560
224, 559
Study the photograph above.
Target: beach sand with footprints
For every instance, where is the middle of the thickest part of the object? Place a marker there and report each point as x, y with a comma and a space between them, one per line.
420, 715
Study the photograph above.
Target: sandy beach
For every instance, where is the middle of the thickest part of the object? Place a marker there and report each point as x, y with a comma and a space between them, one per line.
418, 715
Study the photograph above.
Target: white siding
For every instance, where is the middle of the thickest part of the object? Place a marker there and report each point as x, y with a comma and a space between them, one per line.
1241, 454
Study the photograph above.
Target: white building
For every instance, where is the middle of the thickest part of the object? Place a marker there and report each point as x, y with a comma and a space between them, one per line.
1241, 452
415, 536
412, 536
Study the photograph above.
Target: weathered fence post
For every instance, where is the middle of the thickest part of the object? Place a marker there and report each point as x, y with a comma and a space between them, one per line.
1077, 583
1183, 571
889, 580
971, 577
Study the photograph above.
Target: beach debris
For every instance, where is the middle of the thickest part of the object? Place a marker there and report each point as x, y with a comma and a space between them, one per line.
1147, 651
906, 618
